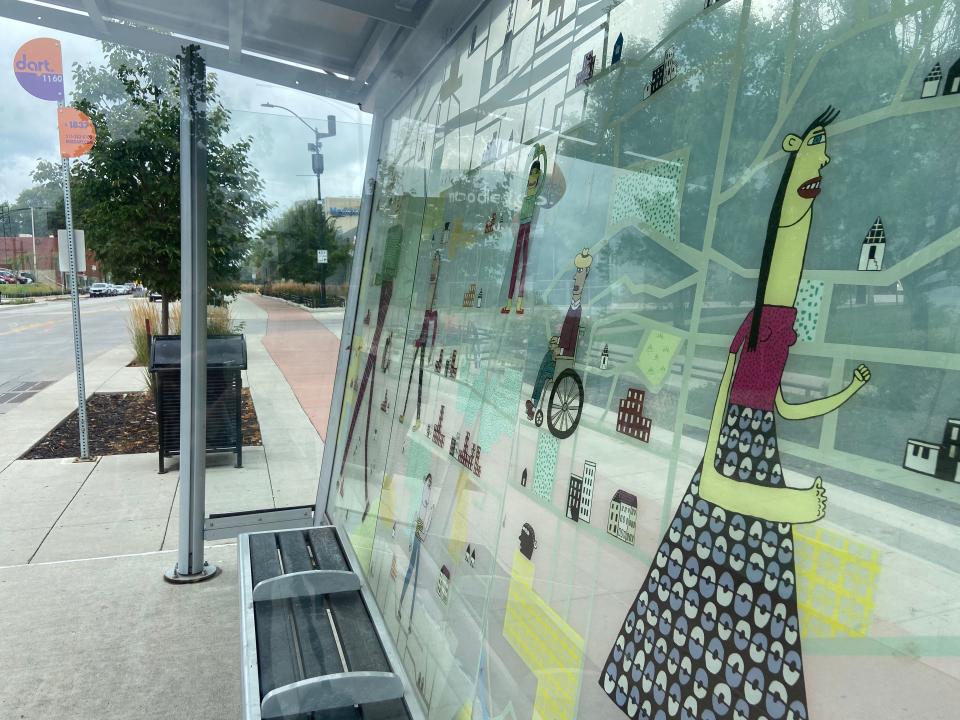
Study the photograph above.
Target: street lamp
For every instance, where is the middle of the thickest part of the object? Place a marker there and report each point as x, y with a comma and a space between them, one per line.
317, 162
314, 147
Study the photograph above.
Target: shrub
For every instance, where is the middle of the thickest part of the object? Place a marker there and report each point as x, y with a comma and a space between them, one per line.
219, 322
306, 293
30, 290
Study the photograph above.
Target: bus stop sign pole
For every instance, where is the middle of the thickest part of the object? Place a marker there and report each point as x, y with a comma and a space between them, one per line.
38, 67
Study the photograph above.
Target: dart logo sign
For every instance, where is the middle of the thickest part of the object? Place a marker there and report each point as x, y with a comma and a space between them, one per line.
38, 67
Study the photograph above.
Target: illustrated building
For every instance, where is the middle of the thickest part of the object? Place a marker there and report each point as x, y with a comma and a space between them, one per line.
580, 493
523, 478
662, 74
574, 497
443, 584
605, 356
630, 419
470, 296
439, 439
617, 50
470, 556
952, 84
586, 71
937, 460
586, 496
931, 83
871, 252
922, 456
622, 520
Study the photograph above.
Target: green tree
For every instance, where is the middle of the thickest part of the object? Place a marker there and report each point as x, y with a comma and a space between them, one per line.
300, 231
127, 190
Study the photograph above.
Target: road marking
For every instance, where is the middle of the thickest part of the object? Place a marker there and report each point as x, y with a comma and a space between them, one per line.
29, 326
50, 323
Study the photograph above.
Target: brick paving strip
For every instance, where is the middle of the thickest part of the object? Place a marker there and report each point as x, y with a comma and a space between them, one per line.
305, 352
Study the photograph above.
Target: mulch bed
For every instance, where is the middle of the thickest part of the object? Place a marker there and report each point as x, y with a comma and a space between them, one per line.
122, 424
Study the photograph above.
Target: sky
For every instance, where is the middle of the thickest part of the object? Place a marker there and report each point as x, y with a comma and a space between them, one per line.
279, 149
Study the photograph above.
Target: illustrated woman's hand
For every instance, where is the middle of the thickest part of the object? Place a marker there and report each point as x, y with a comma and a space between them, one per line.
861, 376
812, 504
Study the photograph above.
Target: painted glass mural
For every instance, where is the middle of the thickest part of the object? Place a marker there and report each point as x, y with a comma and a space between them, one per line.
653, 403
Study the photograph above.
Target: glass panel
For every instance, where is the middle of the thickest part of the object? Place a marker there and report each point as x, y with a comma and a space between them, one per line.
587, 240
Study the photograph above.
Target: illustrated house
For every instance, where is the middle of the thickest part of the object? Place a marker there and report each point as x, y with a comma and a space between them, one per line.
662, 74
630, 419
617, 50
443, 584
871, 252
922, 456
931, 83
622, 520
952, 85
937, 460
586, 71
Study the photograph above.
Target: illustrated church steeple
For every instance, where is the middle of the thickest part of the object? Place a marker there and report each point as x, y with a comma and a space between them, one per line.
874, 244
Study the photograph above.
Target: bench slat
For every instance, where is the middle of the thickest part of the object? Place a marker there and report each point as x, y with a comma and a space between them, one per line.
274, 638
317, 644
361, 646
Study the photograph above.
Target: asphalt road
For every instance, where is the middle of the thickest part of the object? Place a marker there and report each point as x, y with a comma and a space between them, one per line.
36, 341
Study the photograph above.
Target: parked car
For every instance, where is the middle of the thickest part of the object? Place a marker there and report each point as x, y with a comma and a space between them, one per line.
99, 289
9, 277
155, 296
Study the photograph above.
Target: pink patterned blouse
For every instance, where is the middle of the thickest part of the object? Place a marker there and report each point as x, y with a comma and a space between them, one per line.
759, 371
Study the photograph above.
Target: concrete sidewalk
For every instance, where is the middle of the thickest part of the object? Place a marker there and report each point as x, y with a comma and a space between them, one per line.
91, 630
109, 639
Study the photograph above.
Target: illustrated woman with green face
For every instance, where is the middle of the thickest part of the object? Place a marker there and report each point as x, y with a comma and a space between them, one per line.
728, 557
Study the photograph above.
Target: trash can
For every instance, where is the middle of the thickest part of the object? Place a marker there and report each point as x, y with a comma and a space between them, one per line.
226, 357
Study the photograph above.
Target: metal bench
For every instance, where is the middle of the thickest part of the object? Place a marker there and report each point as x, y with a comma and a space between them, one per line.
311, 648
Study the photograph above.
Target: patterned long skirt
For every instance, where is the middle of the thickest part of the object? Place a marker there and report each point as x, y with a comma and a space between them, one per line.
714, 632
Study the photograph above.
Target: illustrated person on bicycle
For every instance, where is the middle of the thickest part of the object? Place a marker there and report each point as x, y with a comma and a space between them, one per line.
557, 366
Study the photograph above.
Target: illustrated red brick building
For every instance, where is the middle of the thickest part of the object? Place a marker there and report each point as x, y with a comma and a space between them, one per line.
630, 419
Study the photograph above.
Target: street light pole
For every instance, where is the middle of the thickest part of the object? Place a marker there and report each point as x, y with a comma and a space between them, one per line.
317, 164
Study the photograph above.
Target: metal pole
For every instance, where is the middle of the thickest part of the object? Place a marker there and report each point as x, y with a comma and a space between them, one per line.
75, 308
191, 566
321, 229
33, 237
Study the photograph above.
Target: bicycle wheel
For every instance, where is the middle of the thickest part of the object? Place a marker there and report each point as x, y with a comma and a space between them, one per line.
566, 404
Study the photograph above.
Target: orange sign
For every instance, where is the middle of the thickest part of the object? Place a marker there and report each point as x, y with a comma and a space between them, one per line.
77, 134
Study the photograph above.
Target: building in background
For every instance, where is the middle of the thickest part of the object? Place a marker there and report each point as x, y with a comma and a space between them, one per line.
17, 253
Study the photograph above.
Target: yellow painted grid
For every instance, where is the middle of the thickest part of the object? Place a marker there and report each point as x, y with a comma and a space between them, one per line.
836, 582
548, 645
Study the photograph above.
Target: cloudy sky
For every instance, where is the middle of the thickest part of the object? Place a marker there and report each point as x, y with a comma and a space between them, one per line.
280, 141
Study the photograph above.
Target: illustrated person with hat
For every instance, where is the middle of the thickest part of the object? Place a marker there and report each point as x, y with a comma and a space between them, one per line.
571, 323
536, 179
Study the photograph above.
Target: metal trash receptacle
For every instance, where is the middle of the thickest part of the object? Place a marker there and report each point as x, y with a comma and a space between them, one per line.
226, 357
